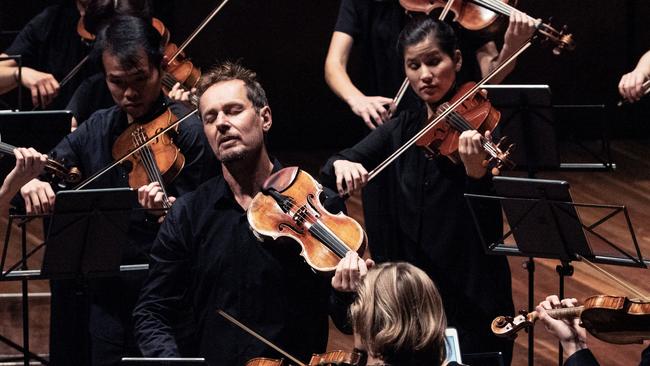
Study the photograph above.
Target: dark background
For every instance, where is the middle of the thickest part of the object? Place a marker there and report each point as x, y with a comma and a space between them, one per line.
285, 41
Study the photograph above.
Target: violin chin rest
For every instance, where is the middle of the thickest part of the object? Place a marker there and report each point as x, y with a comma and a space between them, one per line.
281, 180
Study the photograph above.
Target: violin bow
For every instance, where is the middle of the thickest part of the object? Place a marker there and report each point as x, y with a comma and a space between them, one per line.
93, 177
634, 291
259, 337
433, 121
198, 30
405, 83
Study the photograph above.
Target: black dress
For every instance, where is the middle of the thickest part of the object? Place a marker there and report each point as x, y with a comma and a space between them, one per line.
427, 222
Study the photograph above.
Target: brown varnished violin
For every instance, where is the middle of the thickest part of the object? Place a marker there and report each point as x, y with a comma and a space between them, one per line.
331, 358
612, 319
479, 14
159, 161
289, 206
475, 113
57, 171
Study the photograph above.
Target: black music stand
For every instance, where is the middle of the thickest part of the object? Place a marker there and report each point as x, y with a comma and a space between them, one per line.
544, 223
84, 240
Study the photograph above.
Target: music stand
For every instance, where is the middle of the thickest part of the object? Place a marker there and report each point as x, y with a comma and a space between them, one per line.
544, 222
41, 130
84, 239
527, 120
85, 232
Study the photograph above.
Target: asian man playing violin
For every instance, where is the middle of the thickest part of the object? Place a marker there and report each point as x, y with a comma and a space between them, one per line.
206, 257
131, 59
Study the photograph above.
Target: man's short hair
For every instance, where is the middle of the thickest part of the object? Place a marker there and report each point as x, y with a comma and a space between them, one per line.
234, 71
126, 36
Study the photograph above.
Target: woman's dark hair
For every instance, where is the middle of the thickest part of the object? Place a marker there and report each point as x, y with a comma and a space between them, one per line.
421, 27
126, 36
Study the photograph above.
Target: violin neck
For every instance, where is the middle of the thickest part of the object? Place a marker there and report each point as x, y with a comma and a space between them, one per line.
6, 148
564, 313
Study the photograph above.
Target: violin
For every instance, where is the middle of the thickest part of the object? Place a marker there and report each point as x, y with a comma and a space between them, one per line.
159, 161
177, 65
330, 358
289, 205
57, 171
479, 14
612, 319
475, 113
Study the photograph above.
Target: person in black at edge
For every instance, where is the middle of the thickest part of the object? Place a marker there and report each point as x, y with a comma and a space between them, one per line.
427, 221
572, 335
131, 57
50, 48
207, 258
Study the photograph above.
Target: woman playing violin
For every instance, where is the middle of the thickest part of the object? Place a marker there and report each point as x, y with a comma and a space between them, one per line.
398, 317
427, 221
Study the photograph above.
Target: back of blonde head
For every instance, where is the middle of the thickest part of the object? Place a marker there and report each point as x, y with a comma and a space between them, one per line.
399, 317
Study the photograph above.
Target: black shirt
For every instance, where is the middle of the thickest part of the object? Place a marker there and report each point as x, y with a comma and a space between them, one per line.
50, 43
206, 257
90, 149
423, 219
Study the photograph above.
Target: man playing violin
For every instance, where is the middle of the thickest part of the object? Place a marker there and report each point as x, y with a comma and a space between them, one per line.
427, 221
131, 59
50, 48
207, 258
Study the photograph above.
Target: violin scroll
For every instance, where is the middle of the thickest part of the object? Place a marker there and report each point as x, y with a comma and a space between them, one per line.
562, 40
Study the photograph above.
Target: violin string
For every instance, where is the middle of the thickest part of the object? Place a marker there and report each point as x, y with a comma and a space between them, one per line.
460, 123
324, 235
495, 6
169, 81
6, 148
149, 162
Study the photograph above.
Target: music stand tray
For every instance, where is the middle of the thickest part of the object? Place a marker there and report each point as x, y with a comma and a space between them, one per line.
86, 232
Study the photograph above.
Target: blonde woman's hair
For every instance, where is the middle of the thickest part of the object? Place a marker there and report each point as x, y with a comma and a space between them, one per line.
399, 317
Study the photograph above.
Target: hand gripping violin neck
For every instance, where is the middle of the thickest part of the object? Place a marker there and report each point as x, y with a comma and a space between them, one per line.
612, 319
289, 205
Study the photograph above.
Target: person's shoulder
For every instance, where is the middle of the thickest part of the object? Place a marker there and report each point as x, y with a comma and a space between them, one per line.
100, 116
206, 193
